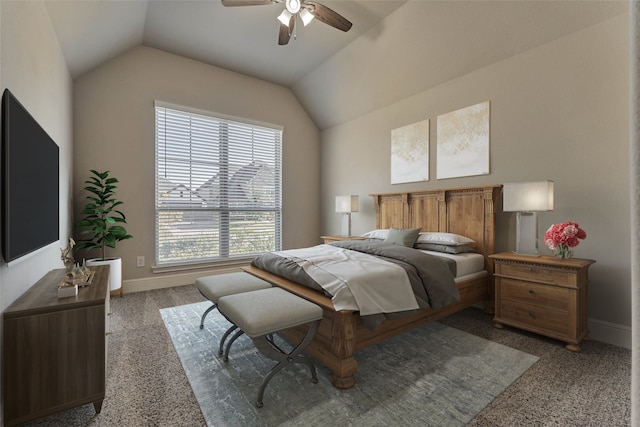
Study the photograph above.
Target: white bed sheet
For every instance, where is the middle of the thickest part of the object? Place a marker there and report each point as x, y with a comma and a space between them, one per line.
466, 264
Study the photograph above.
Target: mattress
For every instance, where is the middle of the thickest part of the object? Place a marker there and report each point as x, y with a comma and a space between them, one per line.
466, 263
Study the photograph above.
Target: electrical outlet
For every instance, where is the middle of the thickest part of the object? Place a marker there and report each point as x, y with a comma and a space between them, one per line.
140, 261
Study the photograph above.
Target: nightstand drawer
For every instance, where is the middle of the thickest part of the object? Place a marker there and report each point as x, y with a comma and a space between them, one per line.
535, 316
541, 274
535, 293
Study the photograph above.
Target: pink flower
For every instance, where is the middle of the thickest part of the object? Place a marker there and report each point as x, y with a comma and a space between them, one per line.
567, 233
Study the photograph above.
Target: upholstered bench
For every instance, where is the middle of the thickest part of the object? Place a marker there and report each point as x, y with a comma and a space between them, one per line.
261, 313
215, 287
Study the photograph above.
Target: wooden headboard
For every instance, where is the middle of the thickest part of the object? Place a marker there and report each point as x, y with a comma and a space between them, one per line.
467, 211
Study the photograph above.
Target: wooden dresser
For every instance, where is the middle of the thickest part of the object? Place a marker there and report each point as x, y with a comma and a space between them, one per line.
54, 349
544, 294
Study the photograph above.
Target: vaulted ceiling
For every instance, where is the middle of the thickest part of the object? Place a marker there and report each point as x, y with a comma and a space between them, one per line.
242, 39
395, 48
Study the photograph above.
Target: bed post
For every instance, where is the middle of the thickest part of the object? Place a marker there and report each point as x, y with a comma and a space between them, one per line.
343, 366
491, 196
442, 211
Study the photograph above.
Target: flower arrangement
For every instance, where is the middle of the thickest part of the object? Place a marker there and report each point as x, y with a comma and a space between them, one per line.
560, 238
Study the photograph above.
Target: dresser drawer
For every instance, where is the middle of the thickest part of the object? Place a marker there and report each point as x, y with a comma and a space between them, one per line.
541, 274
535, 293
530, 315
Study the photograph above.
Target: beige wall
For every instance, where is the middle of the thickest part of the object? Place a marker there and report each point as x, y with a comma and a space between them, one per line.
33, 68
114, 130
558, 112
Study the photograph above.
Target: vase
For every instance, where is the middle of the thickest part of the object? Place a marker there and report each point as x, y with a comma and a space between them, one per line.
563, 251
115, 271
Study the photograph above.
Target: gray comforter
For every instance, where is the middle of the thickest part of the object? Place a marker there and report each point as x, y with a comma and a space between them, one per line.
431, 277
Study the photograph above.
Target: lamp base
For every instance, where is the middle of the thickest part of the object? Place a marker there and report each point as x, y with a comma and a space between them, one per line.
346, 224
527, 233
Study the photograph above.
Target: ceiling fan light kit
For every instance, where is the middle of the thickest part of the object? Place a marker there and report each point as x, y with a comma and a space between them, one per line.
306, 16
284, 17
305, 9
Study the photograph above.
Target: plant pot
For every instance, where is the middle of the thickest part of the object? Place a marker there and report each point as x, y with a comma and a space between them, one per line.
115, 270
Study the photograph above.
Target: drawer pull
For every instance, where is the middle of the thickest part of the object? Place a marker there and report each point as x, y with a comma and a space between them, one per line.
531, 291
532, 314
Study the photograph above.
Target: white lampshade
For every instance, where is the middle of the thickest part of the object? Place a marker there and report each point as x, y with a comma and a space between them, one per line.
346, 204
527, 199
527, 196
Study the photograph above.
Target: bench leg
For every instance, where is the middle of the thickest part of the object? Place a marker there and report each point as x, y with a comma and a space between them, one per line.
224, 338
205, 315
231, 341
264, 345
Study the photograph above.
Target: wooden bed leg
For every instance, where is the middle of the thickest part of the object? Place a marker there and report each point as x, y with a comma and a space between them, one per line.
343, 346
345, 382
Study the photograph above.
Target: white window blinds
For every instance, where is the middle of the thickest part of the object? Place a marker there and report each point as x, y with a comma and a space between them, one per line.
218, 187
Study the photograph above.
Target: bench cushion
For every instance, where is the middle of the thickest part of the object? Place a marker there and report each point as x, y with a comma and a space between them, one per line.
266, 311
216, 286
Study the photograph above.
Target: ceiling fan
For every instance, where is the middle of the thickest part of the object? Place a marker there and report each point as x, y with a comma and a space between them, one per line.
305, 9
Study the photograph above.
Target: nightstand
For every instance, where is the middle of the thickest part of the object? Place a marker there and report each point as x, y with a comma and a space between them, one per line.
543, 294
329, 239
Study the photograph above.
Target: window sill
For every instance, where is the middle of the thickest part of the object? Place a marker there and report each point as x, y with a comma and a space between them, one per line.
183, 267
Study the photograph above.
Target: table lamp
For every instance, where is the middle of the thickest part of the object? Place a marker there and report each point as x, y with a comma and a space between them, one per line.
527, 199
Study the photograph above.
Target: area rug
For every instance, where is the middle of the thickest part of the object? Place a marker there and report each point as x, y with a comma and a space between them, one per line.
434, 375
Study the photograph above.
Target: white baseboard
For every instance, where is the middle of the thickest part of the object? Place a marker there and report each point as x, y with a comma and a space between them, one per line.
599, 330
171, 280
610, 333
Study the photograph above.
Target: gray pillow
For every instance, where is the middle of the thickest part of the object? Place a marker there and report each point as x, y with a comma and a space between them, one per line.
404, 237
443, 248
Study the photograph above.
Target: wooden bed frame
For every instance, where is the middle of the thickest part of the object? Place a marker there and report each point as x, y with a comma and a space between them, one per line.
466, 211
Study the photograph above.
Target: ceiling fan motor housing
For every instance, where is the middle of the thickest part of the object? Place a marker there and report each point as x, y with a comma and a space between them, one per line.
293, 6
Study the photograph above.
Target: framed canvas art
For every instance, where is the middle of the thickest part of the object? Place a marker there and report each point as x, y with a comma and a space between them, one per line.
463, 142
410, 153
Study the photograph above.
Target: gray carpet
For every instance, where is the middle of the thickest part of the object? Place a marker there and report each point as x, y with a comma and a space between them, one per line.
147, 386
434, 375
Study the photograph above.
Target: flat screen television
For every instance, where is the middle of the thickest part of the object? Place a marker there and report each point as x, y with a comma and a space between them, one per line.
30, 182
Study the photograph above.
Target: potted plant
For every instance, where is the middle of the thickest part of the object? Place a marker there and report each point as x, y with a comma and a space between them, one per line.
102, 224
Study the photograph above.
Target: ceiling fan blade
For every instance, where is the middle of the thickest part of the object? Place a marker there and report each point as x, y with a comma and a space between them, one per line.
285, 32
324, 14
245, 2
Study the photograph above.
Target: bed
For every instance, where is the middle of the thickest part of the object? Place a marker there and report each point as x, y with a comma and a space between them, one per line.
467, 211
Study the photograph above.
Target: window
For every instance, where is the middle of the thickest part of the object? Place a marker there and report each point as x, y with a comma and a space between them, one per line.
218, 187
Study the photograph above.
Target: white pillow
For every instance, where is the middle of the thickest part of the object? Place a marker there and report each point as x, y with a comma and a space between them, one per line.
376, 234
449, 239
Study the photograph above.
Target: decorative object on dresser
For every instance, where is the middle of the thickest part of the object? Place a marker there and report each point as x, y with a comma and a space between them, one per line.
527, 199
346, 205
561, 238
55, 349
102, 224
545, 295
